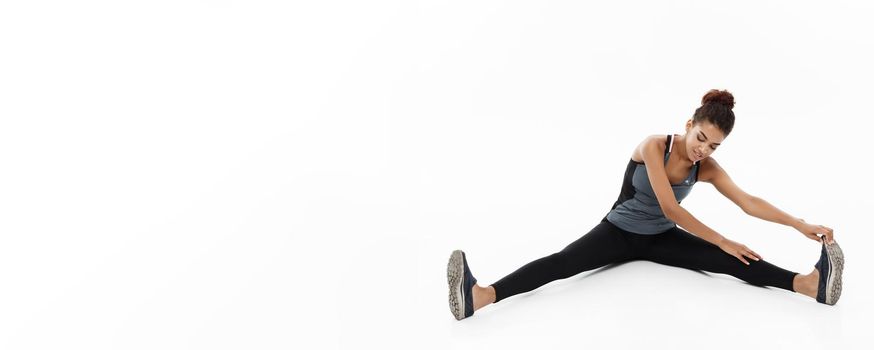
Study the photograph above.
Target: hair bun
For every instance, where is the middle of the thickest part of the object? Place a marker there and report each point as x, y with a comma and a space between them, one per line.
722, 97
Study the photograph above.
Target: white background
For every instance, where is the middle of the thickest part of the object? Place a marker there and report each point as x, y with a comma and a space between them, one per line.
288, 175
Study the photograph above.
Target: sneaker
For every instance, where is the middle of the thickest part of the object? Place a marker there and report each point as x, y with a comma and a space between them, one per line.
831, 267
461, 283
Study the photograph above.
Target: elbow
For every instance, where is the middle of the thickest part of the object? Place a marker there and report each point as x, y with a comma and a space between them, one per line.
750, 204
672, 211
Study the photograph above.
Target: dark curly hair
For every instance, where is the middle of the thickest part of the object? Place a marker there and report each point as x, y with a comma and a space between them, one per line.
716, 108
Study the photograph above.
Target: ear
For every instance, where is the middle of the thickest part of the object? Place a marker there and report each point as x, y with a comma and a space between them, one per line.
688, 125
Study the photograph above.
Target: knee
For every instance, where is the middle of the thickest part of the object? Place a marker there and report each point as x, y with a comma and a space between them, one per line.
752, 273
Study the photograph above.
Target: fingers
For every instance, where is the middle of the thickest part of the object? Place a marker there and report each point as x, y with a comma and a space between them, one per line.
742, 252
755, 256
750, 253
828, 234
812, 235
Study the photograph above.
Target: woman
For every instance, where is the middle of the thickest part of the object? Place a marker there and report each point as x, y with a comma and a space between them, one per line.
642, 224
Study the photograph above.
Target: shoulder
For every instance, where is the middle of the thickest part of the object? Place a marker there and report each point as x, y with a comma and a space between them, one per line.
709, 170
651, 143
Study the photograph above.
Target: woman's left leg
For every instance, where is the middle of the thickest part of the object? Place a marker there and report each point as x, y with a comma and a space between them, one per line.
676, 247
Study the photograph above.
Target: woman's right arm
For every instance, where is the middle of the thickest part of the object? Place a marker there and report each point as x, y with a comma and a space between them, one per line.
653, 158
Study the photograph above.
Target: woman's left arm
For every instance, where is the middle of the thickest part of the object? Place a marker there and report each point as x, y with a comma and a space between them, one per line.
761, 209
754, 206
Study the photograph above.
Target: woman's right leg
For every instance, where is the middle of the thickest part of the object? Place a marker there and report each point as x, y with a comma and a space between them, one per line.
604, 244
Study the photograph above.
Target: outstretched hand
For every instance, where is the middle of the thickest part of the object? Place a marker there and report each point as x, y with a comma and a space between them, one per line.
812, 231
738, 250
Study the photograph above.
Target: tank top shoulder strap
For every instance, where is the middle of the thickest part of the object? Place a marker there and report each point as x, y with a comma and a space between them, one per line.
669, 146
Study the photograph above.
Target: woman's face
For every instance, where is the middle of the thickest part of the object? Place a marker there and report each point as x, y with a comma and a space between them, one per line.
702, 140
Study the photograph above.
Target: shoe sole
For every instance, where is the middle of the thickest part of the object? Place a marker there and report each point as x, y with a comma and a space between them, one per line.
455, 277
836, 269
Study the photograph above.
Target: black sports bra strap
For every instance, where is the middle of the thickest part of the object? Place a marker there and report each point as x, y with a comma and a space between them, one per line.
669, 143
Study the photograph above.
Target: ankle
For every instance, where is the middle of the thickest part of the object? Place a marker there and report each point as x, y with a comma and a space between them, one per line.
806, 284
800, 284
483, 296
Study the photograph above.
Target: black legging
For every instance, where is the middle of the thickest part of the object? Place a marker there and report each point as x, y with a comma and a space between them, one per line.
606, 244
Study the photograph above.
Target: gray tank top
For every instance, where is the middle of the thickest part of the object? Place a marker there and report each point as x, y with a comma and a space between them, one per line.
637, 210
